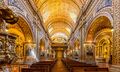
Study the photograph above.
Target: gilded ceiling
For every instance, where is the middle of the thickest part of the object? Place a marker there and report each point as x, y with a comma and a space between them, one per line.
59, 16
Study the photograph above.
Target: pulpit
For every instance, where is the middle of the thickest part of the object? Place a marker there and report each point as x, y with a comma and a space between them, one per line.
7, 48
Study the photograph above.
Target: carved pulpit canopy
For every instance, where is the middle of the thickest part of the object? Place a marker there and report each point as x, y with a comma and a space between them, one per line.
8, 15
7, 41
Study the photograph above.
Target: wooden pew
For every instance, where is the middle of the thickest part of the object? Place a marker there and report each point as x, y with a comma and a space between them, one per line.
34, 70
72, 65
42, 66
97, 69
48, 68
47, 64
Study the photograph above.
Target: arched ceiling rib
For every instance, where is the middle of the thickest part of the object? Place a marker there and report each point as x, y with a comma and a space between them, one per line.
66, 33
99, 24
59, 16
60, 25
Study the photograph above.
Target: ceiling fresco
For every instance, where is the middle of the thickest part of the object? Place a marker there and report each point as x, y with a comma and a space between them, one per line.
59, 17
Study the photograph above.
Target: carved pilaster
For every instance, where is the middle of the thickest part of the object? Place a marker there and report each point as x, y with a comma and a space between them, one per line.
116, 33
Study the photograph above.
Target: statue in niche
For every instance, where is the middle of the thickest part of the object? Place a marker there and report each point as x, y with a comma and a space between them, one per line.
90, 55
76, 55
8, 45
30, 54
1, 45
28, 51
89, 52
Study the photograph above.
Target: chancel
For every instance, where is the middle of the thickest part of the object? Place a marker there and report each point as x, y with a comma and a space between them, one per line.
59, 35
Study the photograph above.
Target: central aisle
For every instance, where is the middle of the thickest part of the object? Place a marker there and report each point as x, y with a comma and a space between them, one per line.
59, 67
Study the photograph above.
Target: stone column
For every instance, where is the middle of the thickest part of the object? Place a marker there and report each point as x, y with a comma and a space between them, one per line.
116, 33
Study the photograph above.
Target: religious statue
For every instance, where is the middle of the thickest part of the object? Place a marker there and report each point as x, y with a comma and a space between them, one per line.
89, 52
90, 58
1, 45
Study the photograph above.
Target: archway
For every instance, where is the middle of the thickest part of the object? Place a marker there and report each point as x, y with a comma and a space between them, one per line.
42, 49
103, 48
100, 35
76, 49
24, 36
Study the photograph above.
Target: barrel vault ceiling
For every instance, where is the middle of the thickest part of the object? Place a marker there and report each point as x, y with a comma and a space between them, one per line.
59, 17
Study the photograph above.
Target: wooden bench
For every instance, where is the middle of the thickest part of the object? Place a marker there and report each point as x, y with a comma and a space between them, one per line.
34, 70
97, 69
42, 66
72, 65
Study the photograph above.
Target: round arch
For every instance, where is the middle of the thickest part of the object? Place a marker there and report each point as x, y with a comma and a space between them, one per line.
22, 17
24, 35
100, 33
99, 23
26, 29
42, 48
108, 15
